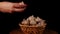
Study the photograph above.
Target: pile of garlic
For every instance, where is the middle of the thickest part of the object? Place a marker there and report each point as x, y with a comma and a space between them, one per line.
33, 21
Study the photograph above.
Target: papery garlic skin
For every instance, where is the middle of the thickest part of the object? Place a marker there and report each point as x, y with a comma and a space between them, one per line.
31, 18
25, 22
38, 19
34, 21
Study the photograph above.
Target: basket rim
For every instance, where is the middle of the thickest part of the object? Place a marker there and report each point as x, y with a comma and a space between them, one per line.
28, 26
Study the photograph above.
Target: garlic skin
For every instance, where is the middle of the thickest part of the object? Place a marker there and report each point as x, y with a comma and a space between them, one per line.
31, 18
25, 22
32, 22
36, 21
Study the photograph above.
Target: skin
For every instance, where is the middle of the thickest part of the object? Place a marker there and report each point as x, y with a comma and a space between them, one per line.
9, 7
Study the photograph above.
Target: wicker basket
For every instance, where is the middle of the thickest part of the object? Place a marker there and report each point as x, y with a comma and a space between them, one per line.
31, 29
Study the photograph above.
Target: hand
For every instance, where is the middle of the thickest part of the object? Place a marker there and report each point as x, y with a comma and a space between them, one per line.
9, 7
19, 7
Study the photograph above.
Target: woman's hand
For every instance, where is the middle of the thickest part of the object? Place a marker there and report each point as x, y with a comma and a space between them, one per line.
9, 7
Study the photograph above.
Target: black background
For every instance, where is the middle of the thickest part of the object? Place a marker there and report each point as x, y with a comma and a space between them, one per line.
47, 10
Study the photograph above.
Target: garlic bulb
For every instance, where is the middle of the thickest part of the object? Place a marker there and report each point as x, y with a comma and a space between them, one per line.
31, 18
25, 22
38, 19
42, 22
32, 22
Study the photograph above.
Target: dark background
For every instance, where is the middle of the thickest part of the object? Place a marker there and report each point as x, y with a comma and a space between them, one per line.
47, 10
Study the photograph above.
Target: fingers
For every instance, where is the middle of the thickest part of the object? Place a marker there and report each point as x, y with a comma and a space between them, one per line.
19, 7
18, 10
22, 3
